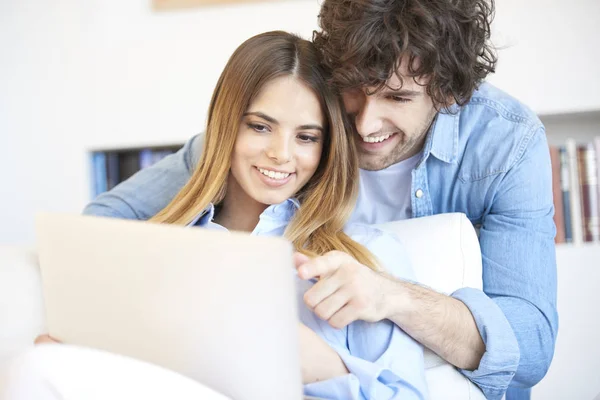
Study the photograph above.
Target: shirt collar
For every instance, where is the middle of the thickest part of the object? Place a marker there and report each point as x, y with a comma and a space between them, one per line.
204, 217
442, 139
283, 211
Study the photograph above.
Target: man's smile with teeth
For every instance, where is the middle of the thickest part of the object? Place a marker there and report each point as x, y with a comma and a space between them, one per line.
376, 139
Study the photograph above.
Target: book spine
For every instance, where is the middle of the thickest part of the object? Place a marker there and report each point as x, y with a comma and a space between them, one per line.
565, 184
559, 219
575, 195
586, 157
99, 173
597, 151
146, 158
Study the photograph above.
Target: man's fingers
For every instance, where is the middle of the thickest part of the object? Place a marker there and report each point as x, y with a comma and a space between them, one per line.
331, 305
323, 265
343, 317
300, 259
321, 290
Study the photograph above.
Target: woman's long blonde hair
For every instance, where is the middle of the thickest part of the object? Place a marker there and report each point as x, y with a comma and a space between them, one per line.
329, 197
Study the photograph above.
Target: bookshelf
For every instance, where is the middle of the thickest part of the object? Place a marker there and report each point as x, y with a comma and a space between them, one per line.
111, 166
574, 140
578, 268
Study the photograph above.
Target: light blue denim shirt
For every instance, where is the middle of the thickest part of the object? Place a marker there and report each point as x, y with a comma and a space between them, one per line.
383, 361
490, 160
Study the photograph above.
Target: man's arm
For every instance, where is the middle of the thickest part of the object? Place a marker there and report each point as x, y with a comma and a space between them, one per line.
349, 291
515, 316
509, 328
440, 322
151, 189
519, 265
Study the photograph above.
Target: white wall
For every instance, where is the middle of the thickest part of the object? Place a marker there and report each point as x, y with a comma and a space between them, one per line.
77, 75
550, 53
573, 373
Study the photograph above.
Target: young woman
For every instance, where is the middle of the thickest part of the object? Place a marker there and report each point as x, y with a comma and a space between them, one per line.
277, 160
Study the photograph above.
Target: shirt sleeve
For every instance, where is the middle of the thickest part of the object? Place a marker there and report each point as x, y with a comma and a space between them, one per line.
516, 312
383, 361
151, 189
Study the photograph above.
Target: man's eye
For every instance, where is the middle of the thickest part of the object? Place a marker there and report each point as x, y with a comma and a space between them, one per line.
399, 99
258, 128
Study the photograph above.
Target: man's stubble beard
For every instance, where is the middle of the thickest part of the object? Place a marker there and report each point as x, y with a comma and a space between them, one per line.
408, 147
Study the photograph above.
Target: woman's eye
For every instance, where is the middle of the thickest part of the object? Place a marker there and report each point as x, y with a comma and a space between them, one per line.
258, 128
308, 138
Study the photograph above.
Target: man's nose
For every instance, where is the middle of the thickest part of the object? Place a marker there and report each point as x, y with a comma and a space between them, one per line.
279, 149
367, 119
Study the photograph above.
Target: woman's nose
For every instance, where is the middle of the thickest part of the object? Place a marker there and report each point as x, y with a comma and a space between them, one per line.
279, 149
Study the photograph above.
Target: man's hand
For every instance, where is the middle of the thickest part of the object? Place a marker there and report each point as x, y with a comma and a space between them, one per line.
346, 291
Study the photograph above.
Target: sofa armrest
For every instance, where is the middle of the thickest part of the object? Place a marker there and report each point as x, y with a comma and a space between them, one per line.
444, 250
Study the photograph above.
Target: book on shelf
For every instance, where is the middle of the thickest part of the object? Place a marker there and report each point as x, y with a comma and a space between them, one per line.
111, 167
566, 197
586, 159
99, 183
557, 194
576, 191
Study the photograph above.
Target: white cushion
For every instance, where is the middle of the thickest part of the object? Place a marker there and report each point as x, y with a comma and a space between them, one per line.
76, 373
444, 250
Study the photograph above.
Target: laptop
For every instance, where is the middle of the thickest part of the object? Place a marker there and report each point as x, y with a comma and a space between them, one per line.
215, 306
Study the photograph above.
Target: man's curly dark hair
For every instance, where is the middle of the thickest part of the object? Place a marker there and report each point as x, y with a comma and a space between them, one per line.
363, 41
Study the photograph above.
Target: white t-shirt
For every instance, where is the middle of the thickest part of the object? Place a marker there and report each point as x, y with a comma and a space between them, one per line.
384, 195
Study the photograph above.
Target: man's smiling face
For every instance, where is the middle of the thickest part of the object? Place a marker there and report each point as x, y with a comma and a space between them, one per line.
392, 124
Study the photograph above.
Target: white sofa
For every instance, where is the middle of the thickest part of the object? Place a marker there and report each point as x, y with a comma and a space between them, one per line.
444, 250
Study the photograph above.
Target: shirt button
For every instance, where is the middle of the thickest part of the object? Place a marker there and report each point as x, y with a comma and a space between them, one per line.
419, 193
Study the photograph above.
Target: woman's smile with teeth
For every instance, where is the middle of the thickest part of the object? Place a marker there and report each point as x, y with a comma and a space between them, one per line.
376, 139
273, 174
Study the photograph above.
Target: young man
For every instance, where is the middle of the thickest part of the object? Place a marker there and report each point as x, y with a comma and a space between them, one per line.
433, 138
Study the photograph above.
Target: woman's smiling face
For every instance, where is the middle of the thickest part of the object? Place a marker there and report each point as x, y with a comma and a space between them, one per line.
279, 142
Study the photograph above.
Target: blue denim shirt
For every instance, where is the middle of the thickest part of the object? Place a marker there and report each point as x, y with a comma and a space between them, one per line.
383, 361
488, 159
